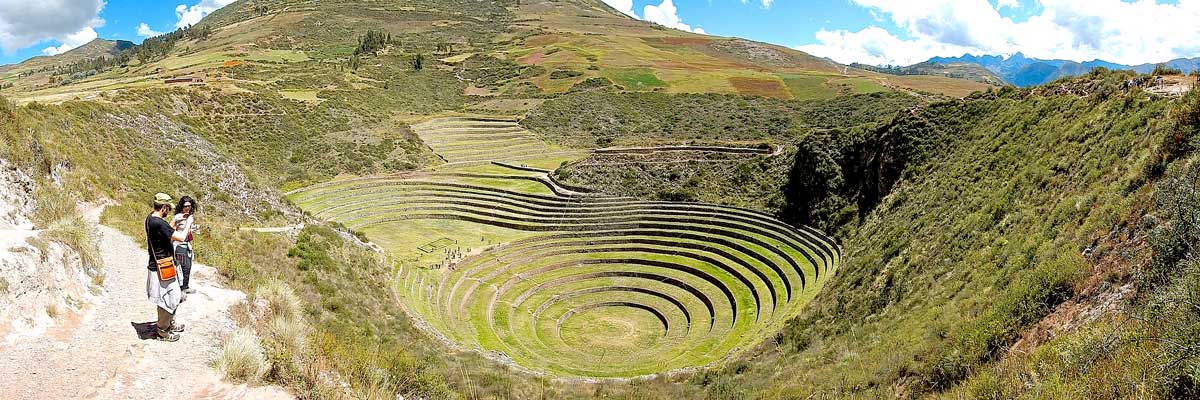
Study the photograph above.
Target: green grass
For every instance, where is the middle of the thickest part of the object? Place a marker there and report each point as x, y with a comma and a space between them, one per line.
808, 87
636, 79
300, 95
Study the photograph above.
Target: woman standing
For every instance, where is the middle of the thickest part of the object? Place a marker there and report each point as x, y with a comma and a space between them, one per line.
185, 223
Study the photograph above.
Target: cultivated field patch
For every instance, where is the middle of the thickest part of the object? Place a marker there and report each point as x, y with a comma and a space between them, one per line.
481, 140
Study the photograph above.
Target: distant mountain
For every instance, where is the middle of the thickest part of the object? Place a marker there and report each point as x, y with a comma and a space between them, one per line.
37, 70
92, 49
958, 70
1024, 71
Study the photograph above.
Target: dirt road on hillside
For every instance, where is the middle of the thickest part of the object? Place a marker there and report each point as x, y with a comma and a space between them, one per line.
103, 353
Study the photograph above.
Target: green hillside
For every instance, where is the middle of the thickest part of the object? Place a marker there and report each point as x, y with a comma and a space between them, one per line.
548, 199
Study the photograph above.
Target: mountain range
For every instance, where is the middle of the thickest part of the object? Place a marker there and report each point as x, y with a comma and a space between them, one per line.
1023, 71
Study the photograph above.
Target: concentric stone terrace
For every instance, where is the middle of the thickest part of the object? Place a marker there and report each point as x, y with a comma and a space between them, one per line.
579, 285
476, 139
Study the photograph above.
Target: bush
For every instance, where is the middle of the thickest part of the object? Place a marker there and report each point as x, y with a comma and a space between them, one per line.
1175, 313
242, 358
564, 74
1175, 226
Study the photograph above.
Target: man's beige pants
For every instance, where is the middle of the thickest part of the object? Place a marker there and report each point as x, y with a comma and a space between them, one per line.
165, 319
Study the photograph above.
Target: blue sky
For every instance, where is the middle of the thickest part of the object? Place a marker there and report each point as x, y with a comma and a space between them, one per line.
29, 29
869, 31
910, 31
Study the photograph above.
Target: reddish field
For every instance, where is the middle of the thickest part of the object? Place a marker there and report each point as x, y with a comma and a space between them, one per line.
534, 58
760, 87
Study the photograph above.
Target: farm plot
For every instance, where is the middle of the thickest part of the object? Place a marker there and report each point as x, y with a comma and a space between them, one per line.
462, 140
574, 284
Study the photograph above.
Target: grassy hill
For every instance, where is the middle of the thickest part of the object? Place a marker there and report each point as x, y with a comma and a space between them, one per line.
981, 236
34, 72
498, 48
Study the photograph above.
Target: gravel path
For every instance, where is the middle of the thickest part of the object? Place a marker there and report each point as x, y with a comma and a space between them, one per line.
100, 354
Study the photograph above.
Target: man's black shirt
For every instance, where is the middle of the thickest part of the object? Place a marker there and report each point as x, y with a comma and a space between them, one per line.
159, 233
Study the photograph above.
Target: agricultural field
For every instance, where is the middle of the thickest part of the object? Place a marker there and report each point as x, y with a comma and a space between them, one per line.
501, 258
476, 140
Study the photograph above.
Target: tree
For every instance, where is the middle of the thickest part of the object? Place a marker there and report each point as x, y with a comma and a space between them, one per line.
1163, 69
371, 43
813, 182
418, 62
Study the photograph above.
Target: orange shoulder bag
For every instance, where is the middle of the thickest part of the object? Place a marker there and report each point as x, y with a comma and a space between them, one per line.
166, 266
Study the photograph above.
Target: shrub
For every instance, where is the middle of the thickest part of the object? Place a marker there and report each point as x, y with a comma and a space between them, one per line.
564, 74
242, 358
1175, 226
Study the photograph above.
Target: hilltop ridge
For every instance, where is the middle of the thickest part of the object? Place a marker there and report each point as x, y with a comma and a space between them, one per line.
527, 48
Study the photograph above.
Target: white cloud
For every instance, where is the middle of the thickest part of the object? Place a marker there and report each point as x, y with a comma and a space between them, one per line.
1013, 4
875, 46
765, 3
25, 23
666, 14
190, 15
144, 30
1081, 30
625, 6
71, 41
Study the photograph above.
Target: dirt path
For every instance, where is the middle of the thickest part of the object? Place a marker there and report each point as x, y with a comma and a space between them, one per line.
101, 353
774, 150
275, 229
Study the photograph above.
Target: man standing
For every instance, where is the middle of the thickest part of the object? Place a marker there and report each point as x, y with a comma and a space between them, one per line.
164, 293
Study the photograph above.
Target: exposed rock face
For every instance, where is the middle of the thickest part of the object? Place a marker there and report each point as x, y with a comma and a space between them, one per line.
42, 283
238, 194
16, 198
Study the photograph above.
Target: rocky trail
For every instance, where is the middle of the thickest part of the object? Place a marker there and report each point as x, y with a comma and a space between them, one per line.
105, 349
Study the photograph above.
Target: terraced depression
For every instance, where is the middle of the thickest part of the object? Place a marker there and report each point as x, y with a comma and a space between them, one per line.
500, 258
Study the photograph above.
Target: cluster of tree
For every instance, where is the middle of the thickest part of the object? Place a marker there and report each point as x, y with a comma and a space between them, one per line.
259, 10
96, 65
841, 176
1163, 69
150, 50
372, 42
886, 69
6, 85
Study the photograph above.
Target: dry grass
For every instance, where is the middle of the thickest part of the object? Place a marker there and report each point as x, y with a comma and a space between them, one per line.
279, 300
242, 358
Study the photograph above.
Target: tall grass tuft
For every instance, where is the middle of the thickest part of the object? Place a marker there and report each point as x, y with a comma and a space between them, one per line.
242, 358
281, 301
57, 215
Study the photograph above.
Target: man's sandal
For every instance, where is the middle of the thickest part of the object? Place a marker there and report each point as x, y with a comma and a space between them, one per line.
167, 337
